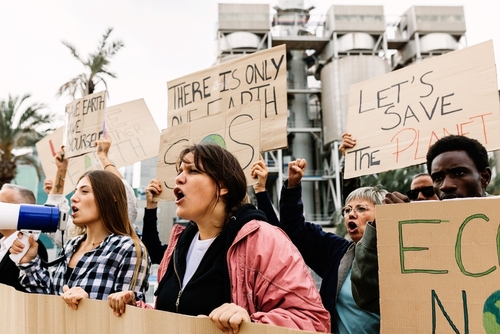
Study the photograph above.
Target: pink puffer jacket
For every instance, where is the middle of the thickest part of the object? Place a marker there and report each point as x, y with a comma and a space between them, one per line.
269, 278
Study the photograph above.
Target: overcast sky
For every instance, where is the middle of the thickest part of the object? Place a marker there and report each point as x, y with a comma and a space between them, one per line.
163, 40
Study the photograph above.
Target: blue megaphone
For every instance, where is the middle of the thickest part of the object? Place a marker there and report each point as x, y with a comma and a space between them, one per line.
31, 219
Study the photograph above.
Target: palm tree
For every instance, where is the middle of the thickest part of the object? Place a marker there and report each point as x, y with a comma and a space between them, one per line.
95, 67
20, 129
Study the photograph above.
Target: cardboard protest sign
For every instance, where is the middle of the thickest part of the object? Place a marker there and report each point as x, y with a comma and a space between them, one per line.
84, 123
237, 130
134, 137
439, 266
260, 76
396, 117
24, 313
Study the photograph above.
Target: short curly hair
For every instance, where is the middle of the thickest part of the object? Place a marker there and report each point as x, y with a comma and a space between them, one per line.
473, 148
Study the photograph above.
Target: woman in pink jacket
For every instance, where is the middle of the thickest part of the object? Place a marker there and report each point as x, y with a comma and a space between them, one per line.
228, 263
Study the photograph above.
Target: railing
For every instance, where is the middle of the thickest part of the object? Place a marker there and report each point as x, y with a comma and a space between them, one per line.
314, 25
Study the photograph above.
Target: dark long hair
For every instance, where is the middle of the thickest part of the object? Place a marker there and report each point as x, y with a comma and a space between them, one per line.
223, 168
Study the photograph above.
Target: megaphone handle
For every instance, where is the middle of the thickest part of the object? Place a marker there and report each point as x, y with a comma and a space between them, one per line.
25, 240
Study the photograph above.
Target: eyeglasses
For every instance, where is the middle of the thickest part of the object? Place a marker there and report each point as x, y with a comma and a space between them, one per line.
426, 191
360, 209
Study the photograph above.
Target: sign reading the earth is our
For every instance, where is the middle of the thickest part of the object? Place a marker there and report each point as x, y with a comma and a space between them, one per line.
396, 117
84, 124
237, 130
439, 266
134, 137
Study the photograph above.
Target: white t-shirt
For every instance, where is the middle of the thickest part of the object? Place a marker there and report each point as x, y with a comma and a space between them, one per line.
196, 251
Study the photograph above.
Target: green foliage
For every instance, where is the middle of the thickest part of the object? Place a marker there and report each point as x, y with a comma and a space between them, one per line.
494, 187
95, 67
400, 180
20, 128
394, 180
340, 228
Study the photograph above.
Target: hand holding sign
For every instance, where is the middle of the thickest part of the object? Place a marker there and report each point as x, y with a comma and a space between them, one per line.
131, 128
84, 123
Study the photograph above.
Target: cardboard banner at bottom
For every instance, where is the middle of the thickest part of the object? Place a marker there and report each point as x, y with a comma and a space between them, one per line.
24, 313
439, 266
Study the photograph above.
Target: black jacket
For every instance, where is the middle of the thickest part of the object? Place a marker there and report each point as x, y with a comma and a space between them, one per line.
9, 272
210, 286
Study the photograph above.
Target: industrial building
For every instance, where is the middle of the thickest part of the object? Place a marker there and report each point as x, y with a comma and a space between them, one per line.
325, 55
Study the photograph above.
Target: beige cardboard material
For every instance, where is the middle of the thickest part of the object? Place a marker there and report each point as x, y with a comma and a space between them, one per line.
396, 117
134, 137
260, 76
436, 257
84, 123
237, 130
24, 313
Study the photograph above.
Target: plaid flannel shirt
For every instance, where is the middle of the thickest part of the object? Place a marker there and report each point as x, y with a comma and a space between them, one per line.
101, 271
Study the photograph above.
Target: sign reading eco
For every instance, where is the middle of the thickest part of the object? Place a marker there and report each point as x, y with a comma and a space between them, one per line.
439, 266
396, 117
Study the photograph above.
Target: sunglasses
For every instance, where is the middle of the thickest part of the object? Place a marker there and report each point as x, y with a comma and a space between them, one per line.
426, 191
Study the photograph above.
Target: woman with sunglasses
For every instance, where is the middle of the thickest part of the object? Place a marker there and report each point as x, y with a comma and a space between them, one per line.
328, 254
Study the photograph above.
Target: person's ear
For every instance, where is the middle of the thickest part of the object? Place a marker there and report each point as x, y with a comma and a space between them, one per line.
485, 177
223, 190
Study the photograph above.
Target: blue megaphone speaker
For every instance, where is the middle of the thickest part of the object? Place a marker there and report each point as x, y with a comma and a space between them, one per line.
31, 219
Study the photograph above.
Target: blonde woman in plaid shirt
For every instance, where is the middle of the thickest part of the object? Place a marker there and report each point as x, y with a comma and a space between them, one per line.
108, 257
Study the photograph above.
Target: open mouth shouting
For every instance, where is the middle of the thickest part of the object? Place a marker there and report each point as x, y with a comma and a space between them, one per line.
74, 210
179, 195
352, 227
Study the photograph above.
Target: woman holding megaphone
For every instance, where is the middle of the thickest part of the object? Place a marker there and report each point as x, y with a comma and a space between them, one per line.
108, 256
